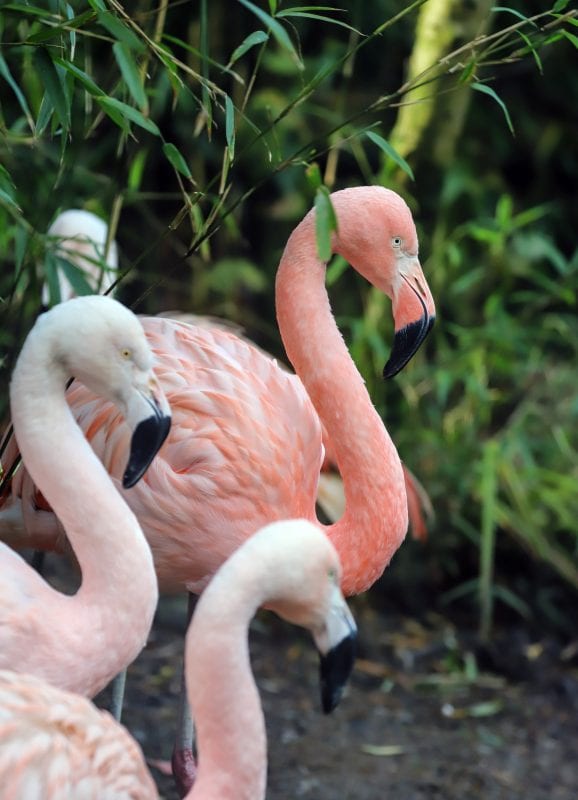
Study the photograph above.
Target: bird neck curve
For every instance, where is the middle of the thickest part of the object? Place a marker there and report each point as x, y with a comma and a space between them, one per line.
119, 592
375, 519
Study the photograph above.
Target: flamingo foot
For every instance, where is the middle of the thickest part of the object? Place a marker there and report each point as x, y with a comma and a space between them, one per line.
184, 769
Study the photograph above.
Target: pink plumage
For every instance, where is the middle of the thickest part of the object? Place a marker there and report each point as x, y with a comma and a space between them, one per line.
55, 745
245, 446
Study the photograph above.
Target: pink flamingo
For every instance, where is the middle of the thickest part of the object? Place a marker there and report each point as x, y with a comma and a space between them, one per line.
80, 642
245, 446
52, 743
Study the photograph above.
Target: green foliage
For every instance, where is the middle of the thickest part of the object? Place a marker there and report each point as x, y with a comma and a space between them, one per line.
209, 141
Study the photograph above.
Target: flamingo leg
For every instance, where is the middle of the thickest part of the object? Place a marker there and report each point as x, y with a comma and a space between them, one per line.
183, 760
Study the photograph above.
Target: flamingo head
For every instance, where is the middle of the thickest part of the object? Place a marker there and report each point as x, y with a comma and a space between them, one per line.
102, 344
377, 236
307, 593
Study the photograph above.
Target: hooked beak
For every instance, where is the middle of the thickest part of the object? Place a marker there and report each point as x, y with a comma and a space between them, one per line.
149, 413
336, 643
414, 314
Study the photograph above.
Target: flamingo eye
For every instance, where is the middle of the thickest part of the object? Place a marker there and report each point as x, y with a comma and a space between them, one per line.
396, 241
125, 353
332, 575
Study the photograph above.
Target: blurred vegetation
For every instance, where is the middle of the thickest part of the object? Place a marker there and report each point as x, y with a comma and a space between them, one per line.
204, 143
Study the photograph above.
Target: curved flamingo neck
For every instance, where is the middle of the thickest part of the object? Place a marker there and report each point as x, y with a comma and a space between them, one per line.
375, 519
225, 703
119, 589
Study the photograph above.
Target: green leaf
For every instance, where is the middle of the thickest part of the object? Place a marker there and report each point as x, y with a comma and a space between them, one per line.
120, 31
515, 13
85, 79
571, 37
230, 126
276, 29
75, 276
137, 167
176, 159
114, 113
5, 197
335, 270
384, 145
116, 108
51, 278
325, 222
560, 5
130, 73
482, 87
313, 175
531, 49
6, 74
22, 8
255, 38
300, 12
53, 85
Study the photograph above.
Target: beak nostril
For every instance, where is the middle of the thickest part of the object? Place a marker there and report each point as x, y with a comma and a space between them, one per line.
420, 287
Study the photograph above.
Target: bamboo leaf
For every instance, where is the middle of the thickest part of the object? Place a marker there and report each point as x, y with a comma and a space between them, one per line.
482, 87
51, 278
515, 13
85, 79
571, 38
325, 222
52, 85
253, 39
120, 31
384, 145
176, 159
130, 73
75, 276
7, 75
276, 29
230, 126
313, 175
118, 110
299, 12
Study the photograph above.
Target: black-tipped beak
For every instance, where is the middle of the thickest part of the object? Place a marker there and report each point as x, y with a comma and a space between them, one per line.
147, 438
406, 343
334, 670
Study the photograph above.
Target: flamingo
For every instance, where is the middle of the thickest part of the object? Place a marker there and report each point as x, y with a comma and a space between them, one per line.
246, 435
82, 240
245, 447
54, 744
80, 642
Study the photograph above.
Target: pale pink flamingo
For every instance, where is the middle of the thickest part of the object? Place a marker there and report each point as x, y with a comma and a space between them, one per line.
57, 746
245, 447
82, 240
80, 642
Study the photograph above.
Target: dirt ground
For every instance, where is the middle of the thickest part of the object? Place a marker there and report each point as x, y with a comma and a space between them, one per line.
429, 714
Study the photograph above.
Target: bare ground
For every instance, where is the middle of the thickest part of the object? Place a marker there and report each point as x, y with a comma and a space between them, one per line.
429, 713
